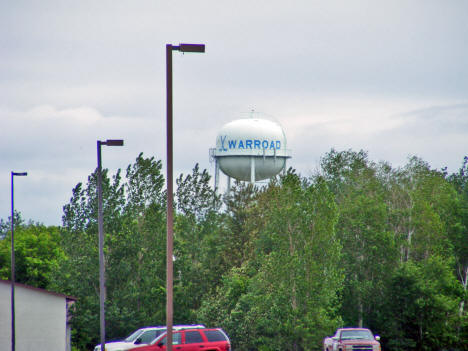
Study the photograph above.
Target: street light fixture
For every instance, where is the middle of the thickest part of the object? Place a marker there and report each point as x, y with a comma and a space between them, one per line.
170, 222
13, 336
108, 142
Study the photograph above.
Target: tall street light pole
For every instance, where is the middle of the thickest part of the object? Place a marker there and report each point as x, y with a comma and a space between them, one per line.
13, 336
102, 286
170, 222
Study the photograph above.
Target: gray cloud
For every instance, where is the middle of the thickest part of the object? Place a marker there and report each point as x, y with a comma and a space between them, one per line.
387, 77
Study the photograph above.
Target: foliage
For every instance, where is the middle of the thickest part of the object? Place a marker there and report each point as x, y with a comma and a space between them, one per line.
413, 216
362, 229
134, 227
284, 295
423, 304
196, 224
459, 241
37, 253
279, 266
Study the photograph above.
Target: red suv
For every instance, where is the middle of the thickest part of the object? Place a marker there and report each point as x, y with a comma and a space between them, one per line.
214, 339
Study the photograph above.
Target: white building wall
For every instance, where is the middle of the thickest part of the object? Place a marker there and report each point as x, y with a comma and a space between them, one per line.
5, 317
41, 320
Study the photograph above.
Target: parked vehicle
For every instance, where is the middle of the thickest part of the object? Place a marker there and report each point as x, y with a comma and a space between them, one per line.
212, 339
141, 337
352, 339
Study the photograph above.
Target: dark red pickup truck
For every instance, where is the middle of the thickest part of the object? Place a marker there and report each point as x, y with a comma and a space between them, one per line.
352, 339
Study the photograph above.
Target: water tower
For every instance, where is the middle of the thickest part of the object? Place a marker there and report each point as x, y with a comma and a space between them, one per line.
250, 149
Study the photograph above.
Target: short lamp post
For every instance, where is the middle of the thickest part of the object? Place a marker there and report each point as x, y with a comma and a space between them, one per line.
102, 292
170, 231
13, 336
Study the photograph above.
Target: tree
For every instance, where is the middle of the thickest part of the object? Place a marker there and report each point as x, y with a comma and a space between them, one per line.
431, 211
196, 224
134, 248
235, 237
5, 226
284, 295
422, 310
459, 240
278, 266
37, 252
136, 260
78, 274
424, 214
369, 250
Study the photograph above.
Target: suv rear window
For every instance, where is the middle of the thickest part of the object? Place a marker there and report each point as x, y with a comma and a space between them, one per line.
215, 335
193, 337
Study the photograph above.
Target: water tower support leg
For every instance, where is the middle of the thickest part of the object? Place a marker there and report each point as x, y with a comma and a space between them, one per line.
216, 180
252, 170
228, 185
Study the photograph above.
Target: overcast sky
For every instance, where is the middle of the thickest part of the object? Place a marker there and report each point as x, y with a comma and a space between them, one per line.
389, 77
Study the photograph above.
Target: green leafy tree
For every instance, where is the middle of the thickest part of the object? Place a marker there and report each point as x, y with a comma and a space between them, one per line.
424, 214
136, 253
78, 274
284, 295
134, 249
5, 226
422, 309
278, 266
196, 224
369, 250
431, 211
459, 240
236, 238
37, 252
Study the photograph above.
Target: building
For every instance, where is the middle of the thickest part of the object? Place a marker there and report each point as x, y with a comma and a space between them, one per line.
42, 319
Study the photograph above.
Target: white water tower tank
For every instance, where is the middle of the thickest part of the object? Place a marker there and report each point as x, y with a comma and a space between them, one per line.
250, 149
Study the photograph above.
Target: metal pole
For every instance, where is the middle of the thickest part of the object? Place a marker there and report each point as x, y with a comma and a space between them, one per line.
101, 250
170, 230
12, 267
170, 215
13, 279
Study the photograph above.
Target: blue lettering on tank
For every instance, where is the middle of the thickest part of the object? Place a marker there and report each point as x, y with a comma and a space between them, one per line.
223, 148
248, 144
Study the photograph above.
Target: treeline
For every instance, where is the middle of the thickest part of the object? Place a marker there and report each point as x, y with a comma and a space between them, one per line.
278, 267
